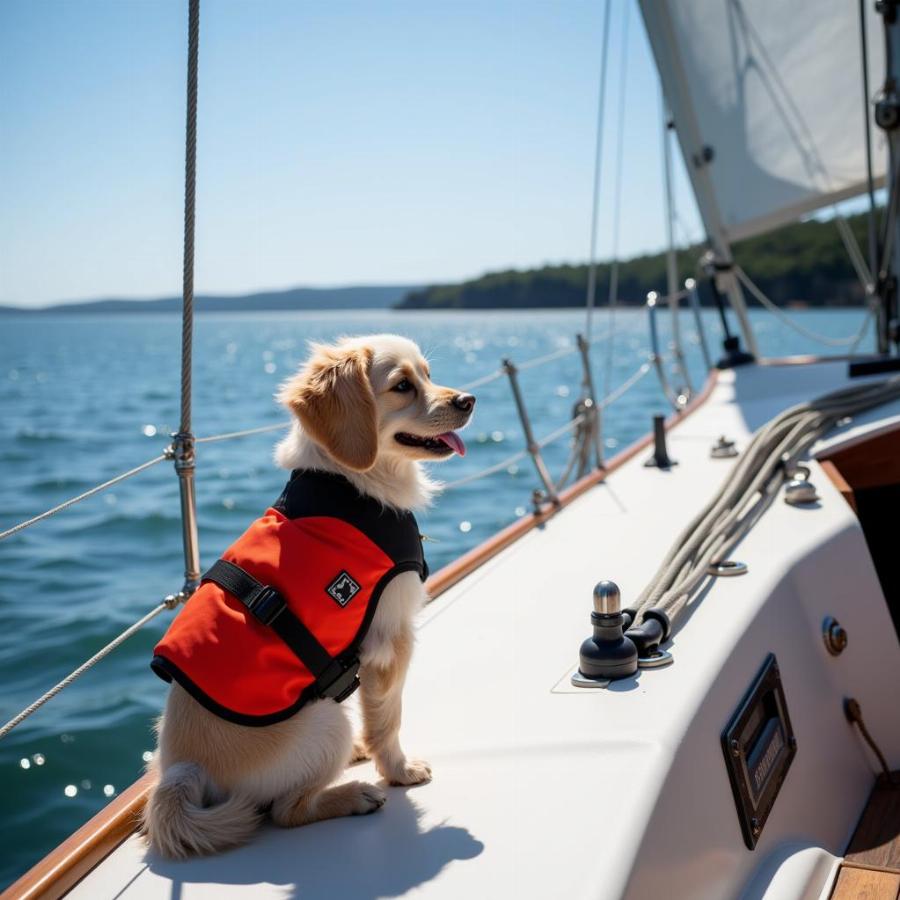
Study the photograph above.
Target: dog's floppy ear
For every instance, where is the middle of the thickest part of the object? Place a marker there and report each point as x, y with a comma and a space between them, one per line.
333, 399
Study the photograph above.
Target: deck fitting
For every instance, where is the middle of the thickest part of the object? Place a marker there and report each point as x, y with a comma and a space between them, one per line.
723, 449
660, 458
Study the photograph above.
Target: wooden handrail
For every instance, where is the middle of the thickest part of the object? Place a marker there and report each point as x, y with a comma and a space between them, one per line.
64, 867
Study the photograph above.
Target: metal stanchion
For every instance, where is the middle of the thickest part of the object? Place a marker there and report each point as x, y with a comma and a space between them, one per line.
591, 408
531, 444
655, 356
690, 285
183, 455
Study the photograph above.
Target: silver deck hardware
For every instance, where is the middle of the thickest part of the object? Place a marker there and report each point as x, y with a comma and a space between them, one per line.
607, 653
183, 453
655, 660
834, 635
607, 598
723, 449
727, 568
800, 492
582, 681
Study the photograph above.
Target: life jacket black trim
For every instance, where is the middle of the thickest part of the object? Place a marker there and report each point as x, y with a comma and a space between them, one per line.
310, 490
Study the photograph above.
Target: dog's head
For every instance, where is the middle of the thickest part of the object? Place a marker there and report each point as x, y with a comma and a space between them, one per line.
370, 397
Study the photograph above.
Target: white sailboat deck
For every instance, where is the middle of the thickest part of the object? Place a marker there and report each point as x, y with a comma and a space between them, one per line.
545, 790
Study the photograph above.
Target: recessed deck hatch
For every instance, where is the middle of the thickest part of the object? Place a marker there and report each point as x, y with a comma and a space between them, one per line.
759, 745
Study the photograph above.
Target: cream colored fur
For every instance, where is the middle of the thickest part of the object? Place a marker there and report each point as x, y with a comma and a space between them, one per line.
216, 778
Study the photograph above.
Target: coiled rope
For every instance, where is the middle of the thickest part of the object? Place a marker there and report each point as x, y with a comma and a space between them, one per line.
750, 488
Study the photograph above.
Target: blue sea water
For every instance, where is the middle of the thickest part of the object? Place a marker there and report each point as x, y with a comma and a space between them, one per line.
84, 398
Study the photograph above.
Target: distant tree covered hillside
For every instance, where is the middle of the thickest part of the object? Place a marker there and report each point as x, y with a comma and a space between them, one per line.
804, 263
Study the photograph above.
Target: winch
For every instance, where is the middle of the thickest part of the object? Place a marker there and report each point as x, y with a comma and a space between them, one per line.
618, 647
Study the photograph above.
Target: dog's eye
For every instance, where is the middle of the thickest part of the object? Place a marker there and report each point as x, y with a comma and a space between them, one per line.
403, 387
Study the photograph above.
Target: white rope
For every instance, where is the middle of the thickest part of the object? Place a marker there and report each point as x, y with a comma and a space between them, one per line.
577, 453
542, 360
557, 433
757, 293
851, 245
100, 654
485, 379
484, 473
129, 474
89, 493
228, 435
626, 385
554, 435
598, 157
613, 296
750, 489
523, 367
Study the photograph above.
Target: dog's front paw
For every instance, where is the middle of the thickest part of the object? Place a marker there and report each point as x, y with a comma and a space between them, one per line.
410, 771
367, 799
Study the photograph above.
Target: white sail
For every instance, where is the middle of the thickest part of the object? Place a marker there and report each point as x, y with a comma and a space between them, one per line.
775, 91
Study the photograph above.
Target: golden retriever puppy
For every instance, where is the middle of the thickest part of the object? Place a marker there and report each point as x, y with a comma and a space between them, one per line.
366, 416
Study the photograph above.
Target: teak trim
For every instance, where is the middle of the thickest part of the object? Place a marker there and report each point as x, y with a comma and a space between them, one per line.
813, 359
64, 867
834, 476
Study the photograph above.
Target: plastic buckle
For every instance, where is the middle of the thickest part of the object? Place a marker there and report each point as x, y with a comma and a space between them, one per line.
343, 684
266, 605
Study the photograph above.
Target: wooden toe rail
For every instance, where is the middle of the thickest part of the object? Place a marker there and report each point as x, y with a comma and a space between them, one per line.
871, 868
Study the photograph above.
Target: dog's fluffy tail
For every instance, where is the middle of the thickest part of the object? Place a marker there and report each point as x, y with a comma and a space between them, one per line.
186, 815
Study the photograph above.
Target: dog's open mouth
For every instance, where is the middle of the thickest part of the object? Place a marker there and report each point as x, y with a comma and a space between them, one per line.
449, 441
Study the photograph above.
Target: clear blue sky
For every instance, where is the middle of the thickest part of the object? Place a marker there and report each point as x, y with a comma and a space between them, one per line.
339, 143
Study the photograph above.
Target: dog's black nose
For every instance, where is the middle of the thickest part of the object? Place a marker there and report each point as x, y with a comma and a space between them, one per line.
465, 402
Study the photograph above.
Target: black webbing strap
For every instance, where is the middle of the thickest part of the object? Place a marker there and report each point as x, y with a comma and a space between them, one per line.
334, 678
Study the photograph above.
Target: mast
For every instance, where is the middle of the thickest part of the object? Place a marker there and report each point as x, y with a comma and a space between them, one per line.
887, 117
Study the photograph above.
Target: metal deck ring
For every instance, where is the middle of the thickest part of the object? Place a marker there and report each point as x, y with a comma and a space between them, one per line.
582, 681
656, 660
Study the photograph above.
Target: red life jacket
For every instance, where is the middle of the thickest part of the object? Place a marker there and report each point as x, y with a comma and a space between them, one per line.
279, 619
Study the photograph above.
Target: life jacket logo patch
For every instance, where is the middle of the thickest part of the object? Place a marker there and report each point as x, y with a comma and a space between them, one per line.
343, 589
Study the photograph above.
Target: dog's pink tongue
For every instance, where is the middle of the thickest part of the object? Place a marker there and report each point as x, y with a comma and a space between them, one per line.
453, 441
